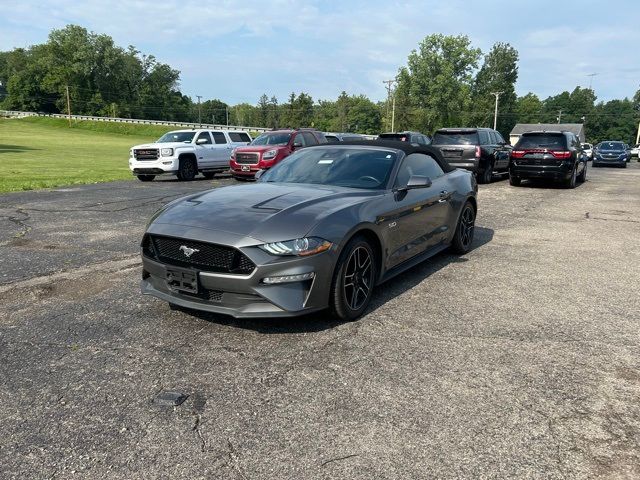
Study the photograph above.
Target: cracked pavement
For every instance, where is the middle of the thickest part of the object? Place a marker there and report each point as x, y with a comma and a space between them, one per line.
517, 360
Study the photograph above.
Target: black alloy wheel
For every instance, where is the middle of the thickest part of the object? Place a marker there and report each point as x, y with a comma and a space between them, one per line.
187, 170
463, 236
353, 280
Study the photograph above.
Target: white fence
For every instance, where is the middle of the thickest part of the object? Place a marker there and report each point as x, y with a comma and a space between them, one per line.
11, 113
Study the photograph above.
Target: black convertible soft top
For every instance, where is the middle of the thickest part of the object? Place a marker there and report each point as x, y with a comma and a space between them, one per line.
406, 147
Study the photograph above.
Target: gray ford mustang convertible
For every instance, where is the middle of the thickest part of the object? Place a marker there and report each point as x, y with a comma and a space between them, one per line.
319, 230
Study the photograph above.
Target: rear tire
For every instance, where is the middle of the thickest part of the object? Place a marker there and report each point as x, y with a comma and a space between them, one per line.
571, 183
463, 236
187, 170
146, 178
486, 175
353, 280
583, 176
515, 181
209, 175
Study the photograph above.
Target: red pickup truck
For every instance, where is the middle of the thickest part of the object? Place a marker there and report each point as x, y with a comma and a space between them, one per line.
269, 148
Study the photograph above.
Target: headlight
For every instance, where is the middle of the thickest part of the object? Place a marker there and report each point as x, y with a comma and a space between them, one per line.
302, 247
269, 154
166, 152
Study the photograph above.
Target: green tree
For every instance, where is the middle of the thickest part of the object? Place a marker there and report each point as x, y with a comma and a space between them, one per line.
498, 73
438, 81
528, 109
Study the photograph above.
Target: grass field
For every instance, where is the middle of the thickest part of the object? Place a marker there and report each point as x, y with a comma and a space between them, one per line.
45, 152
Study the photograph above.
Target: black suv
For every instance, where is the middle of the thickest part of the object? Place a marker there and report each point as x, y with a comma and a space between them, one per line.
481, 150
550, 155
411, 137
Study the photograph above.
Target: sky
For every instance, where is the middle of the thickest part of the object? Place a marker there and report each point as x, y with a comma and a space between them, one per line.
238, 50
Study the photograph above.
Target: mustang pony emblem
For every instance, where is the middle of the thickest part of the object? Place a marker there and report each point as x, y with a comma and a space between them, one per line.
188, 251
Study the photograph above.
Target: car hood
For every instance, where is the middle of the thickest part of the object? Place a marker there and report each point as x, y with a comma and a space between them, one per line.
260, 148
266, 212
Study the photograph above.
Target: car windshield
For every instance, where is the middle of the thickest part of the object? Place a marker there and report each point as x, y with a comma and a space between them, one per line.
551, 142
272, 139
455, 138
611, 146
179, 137
338, 166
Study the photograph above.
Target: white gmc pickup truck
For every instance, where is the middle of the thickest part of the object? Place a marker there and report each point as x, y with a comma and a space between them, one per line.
184, 153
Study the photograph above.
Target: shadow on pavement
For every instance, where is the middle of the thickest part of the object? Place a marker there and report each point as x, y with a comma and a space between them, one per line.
15, 148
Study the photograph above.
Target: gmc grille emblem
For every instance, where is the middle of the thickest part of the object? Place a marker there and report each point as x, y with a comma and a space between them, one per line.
188, 251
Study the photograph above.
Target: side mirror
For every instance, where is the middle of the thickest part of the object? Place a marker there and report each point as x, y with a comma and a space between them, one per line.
297, 144
259, 173
416, 181
200, 141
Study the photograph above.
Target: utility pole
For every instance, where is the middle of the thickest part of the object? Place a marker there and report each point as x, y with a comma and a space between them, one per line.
227, 111
591, 75
559, 115
68, 104
389, 84
199, 109
638, 136
495, 114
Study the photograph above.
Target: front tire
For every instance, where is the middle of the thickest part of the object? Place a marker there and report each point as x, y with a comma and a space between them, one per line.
146, 178
463, 237
187, 170
353, 280
209, 175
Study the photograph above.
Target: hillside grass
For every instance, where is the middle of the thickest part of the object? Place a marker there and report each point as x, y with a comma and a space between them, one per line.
45, 152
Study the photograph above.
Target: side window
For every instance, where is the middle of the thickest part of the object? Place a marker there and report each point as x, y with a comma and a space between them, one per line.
239, 137
218, 137
298, 138
493, 140
205, 136
309, 139
484, 137
499, 137
417, 164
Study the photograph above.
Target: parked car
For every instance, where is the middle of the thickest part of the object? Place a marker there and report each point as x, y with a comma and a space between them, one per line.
411, 137
319, 230
548, 155
480, 150
342, 137
587, 148
184, 153
610, 153
627, 149
270, 148
635, 151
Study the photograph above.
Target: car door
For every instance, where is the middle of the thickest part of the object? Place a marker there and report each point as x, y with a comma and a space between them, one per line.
221, 150
418, 219
503, 151
204, 150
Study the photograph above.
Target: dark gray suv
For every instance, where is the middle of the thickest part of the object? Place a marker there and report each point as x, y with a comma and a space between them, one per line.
481, 150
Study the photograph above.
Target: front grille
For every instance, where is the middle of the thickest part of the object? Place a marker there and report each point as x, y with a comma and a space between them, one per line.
146, 154
247, 158
203, 256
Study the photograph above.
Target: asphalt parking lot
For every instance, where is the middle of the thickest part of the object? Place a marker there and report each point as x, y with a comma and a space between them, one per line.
520, 359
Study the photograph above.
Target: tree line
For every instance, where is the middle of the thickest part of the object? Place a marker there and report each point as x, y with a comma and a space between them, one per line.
446, 82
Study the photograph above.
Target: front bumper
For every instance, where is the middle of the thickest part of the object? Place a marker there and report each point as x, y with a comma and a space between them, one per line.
562, 171
164, 165
246, 296
616, 162
244, 170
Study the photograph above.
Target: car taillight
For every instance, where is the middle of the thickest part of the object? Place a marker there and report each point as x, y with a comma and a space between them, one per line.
561, 154
478, 152
517, 153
